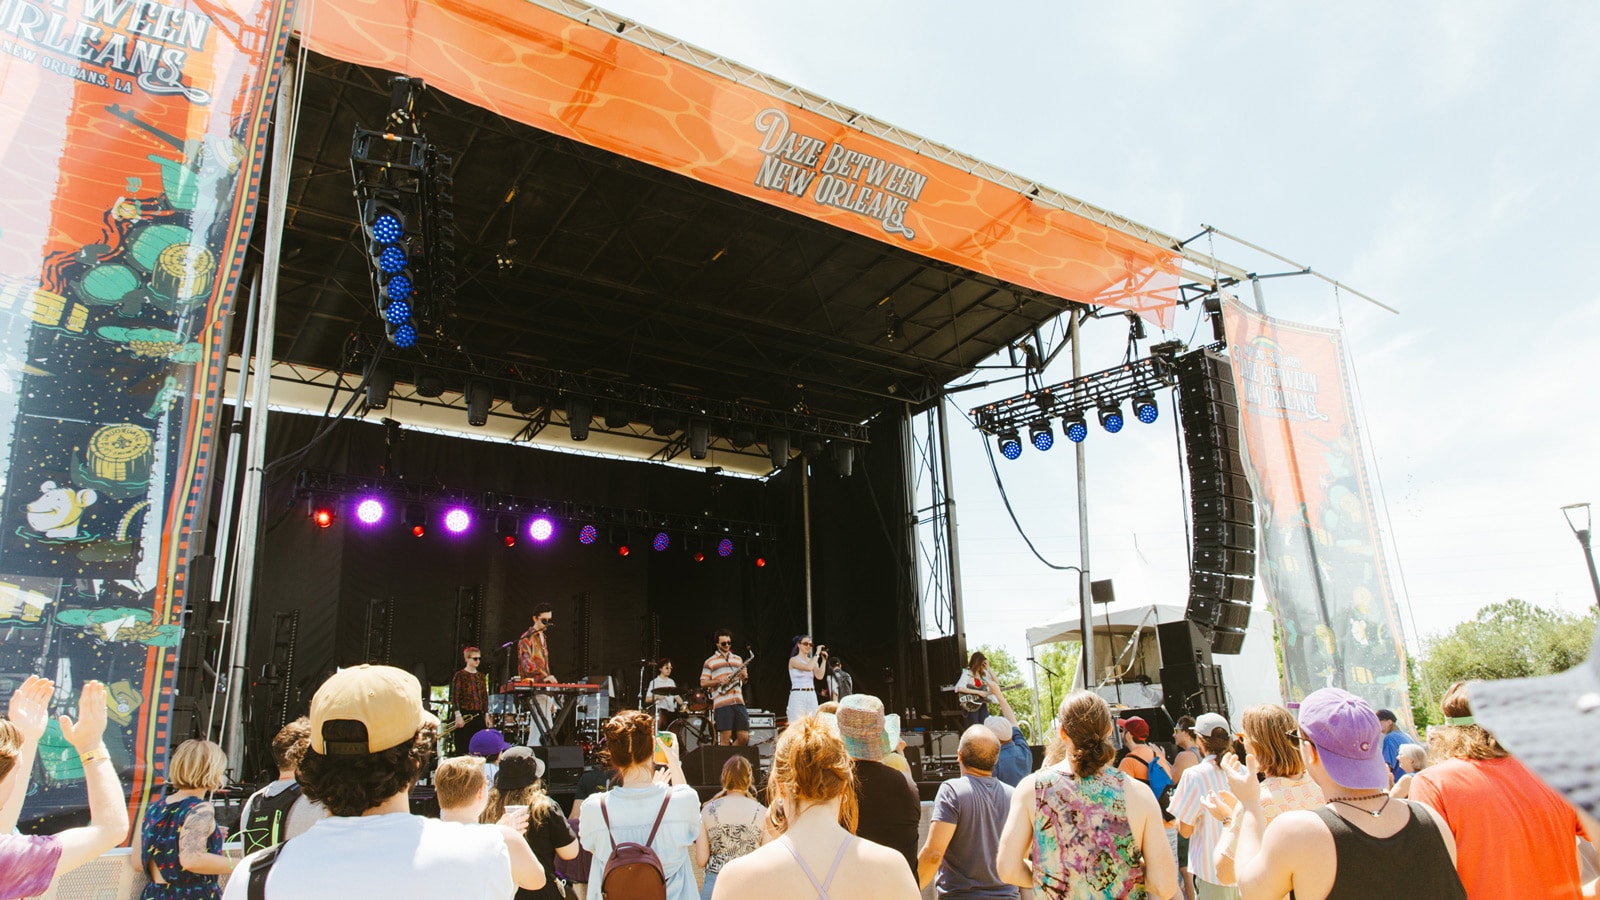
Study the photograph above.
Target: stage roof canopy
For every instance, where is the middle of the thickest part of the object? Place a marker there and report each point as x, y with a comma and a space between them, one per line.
591, 245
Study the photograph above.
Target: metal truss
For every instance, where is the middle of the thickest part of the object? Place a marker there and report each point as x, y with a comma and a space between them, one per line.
1083, 394
322, 483
545, 387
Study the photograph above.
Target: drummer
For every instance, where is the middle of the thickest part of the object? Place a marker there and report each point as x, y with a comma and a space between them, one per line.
663, 694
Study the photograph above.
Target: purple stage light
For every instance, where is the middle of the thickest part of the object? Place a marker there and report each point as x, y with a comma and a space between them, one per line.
457, 520
725, 547
662, 541
541, 528
370, 511
588, 534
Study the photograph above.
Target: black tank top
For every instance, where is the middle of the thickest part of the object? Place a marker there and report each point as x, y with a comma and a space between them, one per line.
1411, 864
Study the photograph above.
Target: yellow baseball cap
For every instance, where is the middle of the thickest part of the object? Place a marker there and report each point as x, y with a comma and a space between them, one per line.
388, 701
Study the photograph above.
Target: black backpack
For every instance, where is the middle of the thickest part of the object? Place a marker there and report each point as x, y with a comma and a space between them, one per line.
268, 817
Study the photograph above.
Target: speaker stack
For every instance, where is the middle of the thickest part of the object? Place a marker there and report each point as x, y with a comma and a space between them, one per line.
1191, 683
1222, 570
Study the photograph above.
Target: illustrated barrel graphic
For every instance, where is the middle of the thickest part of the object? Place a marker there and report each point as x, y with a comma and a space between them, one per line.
106, 285
183, 272
120, 454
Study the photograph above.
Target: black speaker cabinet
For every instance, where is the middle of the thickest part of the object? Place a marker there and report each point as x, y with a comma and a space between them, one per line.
703, 764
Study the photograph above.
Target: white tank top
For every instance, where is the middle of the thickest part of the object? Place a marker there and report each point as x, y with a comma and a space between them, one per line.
800, 679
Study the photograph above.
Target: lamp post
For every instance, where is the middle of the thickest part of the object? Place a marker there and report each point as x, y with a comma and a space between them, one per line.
1578, 517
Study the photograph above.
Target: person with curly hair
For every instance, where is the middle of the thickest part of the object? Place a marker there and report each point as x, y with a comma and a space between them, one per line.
370, 740
1081, 828
812, 810
1515, 836
281, 810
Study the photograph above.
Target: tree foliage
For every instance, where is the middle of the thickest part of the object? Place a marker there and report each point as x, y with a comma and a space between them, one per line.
1059, 658
1514, 639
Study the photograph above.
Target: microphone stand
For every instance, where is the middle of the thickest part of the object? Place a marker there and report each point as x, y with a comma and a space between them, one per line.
1051, 677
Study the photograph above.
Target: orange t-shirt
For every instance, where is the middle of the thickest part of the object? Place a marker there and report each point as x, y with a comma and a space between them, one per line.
1514, 835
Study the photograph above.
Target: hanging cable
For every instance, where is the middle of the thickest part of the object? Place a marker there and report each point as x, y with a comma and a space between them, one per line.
1000, 486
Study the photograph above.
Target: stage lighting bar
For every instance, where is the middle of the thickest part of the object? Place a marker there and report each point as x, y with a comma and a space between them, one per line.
425, 505
1104, 390
668, 412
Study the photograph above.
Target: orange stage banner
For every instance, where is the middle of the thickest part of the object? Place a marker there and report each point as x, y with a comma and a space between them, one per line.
131, 135
1321, 556
546, 70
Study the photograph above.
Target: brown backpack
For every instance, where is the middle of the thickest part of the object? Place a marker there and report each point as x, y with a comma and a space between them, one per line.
633, 871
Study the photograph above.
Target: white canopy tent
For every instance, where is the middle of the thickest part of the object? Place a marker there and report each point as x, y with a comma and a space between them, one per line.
1127, 645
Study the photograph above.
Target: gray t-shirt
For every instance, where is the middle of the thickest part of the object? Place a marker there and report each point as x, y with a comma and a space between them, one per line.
977, 806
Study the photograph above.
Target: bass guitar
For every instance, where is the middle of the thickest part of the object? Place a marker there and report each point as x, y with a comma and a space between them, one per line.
717, 690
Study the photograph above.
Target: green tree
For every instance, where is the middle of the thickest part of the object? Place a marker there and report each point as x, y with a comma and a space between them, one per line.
1514, 639
1059, 658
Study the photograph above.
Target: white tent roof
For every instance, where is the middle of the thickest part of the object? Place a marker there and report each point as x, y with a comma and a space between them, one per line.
1124, 618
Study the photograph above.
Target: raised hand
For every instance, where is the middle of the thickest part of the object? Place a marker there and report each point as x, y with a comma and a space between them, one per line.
1241, 780
1221, 805
86, 733
30, 707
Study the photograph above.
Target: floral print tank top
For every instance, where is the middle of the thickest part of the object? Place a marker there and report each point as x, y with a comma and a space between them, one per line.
1083, 846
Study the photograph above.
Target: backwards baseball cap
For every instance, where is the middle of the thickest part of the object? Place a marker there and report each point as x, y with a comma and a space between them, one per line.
487, 743
1139, 728
386, 700
519, 767
1345, 731
1209, 722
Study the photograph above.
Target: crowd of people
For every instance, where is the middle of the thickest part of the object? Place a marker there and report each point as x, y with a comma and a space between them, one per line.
1335, 802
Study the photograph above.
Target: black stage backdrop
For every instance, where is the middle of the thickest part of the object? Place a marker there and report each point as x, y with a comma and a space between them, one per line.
646, 604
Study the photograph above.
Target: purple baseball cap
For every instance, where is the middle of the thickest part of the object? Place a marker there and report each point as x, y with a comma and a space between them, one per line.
1345, 731
487, 742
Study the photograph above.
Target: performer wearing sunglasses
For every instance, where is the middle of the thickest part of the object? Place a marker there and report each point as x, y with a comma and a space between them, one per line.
533, 655
469, 697
723, 674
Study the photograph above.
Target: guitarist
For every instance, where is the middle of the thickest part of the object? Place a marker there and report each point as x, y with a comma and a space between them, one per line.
974, 690
469, 697
724, 674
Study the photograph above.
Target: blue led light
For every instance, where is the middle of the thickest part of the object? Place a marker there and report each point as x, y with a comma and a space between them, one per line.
398, 312
1043, 440
588, 534
391, 260
1146, 412
1111, 420
398, 288
386, 228
1077, 431
1010, 446
405, 336
725, 547
662, 541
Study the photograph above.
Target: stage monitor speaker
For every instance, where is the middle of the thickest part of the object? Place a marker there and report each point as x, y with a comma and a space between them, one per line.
562, 765
1222, 567
1102, 591
703, 764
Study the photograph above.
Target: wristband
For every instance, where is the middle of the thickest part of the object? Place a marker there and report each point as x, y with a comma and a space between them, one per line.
99, 751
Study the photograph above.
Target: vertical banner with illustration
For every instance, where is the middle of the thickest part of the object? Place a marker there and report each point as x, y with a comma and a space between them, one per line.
1320, 555
131, 135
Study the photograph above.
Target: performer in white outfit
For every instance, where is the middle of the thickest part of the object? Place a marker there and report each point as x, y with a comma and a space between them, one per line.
804, 671
665, 704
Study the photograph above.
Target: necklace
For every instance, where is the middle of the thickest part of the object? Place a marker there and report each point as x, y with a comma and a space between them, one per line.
1351, 802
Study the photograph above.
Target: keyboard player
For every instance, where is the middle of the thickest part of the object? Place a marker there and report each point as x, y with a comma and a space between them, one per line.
533, 655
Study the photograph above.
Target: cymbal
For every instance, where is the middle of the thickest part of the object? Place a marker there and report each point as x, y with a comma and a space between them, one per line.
662, 691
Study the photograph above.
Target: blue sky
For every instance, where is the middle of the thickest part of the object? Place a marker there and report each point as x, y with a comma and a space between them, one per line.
1439, 156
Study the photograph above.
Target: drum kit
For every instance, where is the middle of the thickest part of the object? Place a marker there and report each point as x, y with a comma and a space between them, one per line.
692, 723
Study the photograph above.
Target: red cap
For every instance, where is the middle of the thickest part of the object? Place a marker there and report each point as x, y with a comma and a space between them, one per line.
1135, 726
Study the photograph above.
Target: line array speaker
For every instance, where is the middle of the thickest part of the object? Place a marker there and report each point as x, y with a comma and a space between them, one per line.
1222, 569
469, 620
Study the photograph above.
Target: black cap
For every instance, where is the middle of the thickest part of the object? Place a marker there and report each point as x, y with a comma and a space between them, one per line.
519, 767
1387, 715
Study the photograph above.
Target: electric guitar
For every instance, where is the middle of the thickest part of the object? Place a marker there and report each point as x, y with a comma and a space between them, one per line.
717, 690
973, 703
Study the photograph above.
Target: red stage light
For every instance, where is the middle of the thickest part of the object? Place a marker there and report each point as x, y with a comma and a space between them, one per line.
418, 531
761, 562
622, 550
699, 557
509, 540
323, 516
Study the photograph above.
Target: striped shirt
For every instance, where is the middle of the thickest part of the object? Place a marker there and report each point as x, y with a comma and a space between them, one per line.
723, 664
1198, 781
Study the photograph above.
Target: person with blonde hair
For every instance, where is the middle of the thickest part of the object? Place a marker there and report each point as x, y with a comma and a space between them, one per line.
179, 845
732, 821
1271, 737
1082, 829
545, 829
1515, 836
817, 855
1413, 759
28, 862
